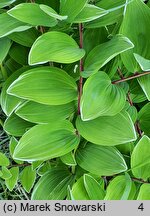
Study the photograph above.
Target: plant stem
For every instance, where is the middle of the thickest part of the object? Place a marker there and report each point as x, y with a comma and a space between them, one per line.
105, 181
73, 169
81, 67
136, 75
138, 129
42, 29
129, 99
120, 73
137, 126
140, 180
128, 95
18, 165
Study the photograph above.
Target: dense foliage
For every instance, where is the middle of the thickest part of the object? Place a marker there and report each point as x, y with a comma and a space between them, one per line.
75, 92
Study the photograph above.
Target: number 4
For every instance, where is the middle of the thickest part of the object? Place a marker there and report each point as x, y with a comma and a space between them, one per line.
141, 207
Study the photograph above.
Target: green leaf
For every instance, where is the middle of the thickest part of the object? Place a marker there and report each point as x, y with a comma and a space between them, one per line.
89, 13
53, 185
27, 178
115, 9
25, 38
140, 159
8, 102
11, 182
144, 193
55, 46
5, 173
100, 160
55, 139
93, 188
11, 66
9, 25
52, 86
69, 195
144, 63
16, 126
78, 191
41, 113
52, 13
112, 67
4, 3
19, 54
69, 159
4, 161
103, 53
108, 130
105, 98
37, 164
133, 113
99, 34
144, 119
44, 168
126, 149
5, 45
61, 189
144, 83
117, 188
71, 8
12, 145
32, 14
128, 187
136, 10
136, 93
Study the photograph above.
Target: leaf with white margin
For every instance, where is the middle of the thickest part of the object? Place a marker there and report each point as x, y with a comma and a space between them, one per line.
144, 82
138, 33
4, 3
47, 141
108, 130
140, 159
144, 193
32, 14
45, 85
55, 46
71, 8
51, 12
105, 98
143, 62
89, 13
103, 53
9, 25
100, 160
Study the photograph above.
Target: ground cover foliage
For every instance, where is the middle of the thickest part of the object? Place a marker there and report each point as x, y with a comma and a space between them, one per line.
75, 92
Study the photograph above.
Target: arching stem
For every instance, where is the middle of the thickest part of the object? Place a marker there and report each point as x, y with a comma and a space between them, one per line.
81, 67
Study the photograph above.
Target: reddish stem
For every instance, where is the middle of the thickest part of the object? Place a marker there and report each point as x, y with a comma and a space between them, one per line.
122, 78
81, 68
129, 99
137, 126
140, 180
120, 73
136, 75
138, 129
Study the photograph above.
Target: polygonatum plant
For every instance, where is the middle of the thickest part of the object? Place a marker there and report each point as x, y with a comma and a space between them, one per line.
75, 92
